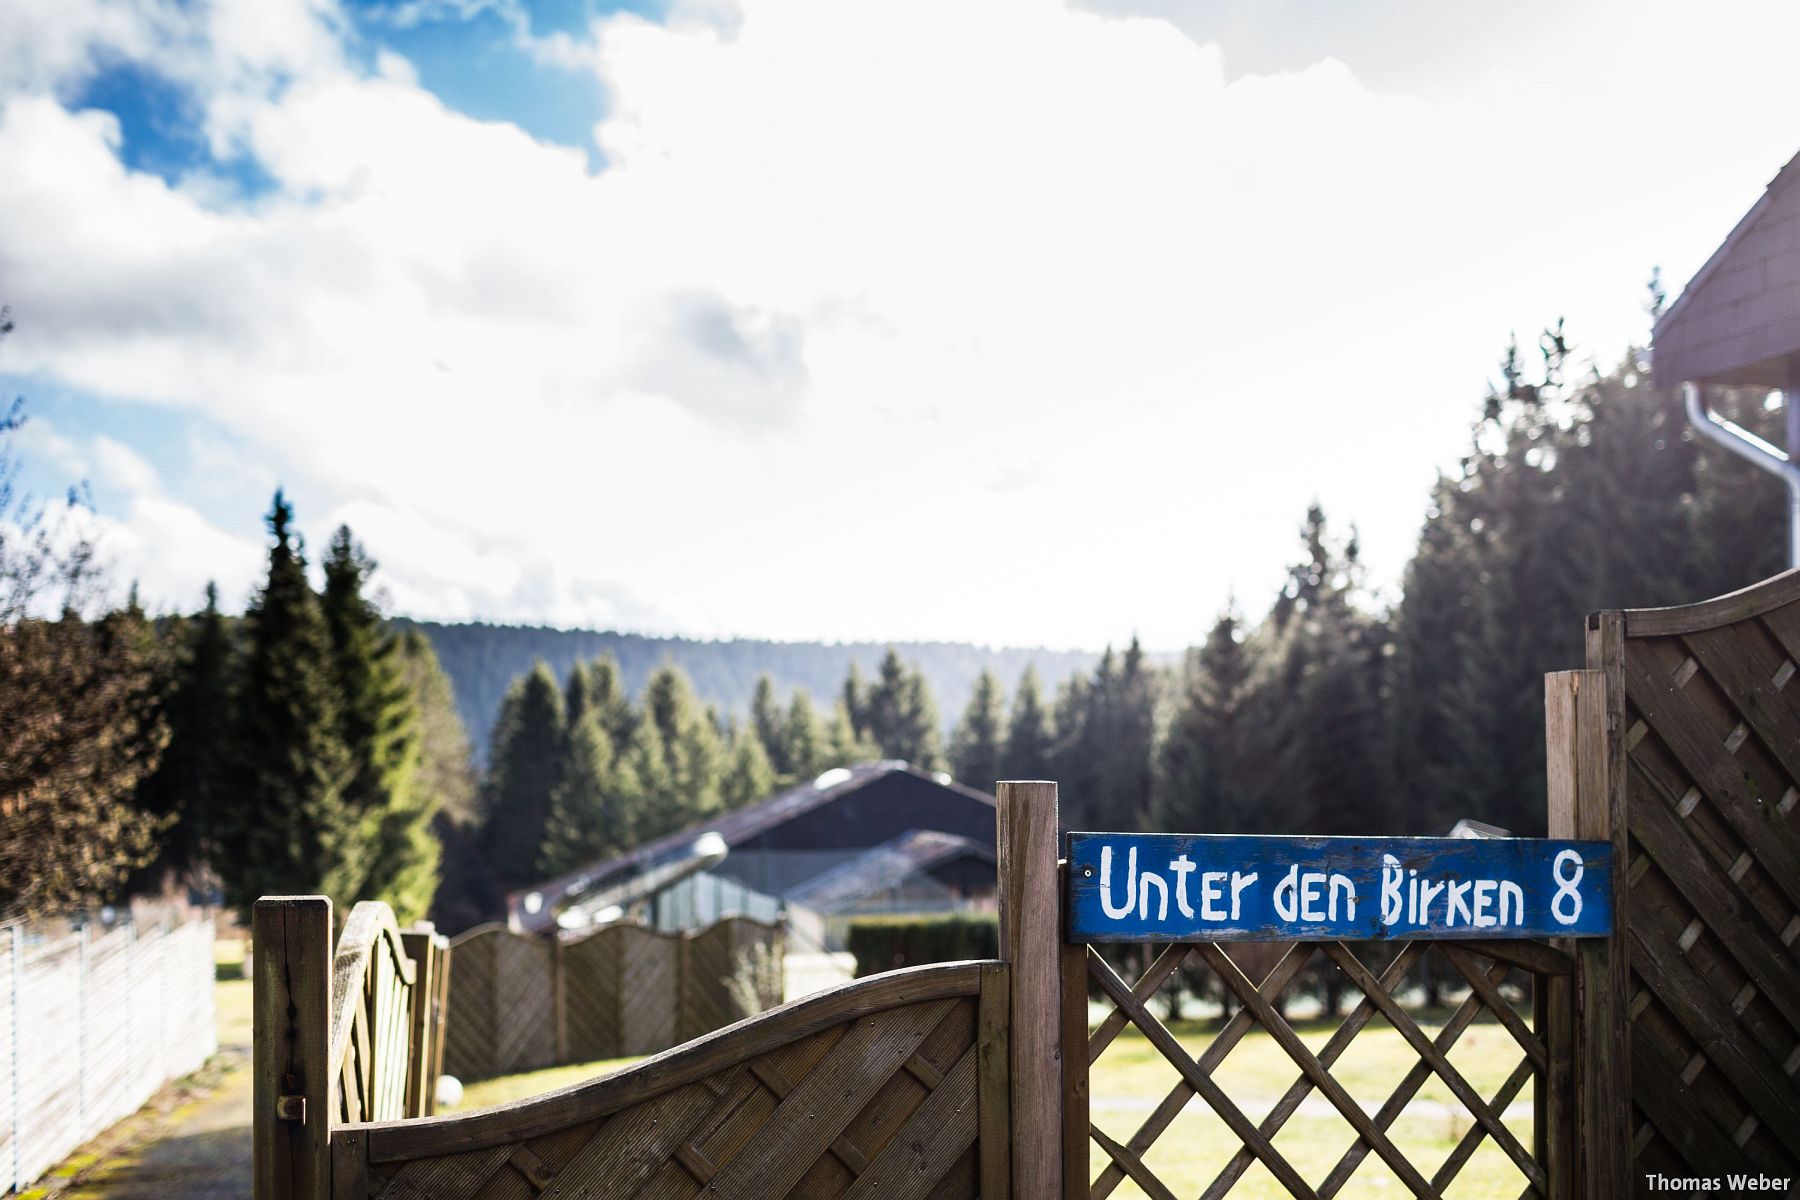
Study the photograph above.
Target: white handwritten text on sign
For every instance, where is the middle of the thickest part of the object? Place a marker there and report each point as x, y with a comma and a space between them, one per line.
1180, 887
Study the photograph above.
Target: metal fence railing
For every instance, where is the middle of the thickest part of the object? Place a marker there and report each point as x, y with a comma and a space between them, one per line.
92, 1023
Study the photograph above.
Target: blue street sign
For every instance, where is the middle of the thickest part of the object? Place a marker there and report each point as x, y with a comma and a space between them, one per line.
1172, 887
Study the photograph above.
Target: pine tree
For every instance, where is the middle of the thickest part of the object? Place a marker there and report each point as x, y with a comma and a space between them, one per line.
691, 748
844, 747
803, 744
1128, 716
1077, 753
769, 725
380, 722
657, 807
290, 828
446, 766
749, 776
977, 745
188, 786
524, 772
1318, 716
591, 805
1202, 782
1030, 743
855, 699
606, 691
901, 716
579, 694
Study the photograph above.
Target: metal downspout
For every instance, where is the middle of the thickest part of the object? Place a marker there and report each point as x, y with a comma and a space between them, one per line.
1747, 445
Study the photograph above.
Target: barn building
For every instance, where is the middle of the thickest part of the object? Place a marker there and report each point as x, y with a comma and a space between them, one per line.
877, 837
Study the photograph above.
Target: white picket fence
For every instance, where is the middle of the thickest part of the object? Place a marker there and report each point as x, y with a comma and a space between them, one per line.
91, 1025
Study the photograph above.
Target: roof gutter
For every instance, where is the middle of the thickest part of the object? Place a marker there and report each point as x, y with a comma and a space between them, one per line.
1748, 446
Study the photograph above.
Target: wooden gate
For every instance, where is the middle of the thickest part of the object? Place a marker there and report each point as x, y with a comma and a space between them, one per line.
1671, 1049
1705, 741
1069, 1150
894, 1086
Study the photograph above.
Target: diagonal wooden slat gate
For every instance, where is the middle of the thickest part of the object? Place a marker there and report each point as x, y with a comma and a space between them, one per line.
1706, 711
1482, 968
1671, 1048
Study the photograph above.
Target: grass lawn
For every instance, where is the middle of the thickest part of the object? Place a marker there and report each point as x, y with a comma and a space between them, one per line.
1131, 1078
231, 993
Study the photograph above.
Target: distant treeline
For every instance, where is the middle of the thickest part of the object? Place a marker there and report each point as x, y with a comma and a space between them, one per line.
483, 660
310, 745
1332, 713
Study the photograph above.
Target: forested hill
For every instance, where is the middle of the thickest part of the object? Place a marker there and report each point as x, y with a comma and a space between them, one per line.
482, 660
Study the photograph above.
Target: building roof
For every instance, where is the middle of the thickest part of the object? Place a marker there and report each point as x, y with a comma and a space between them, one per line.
734, 828
886, 866
1738, 319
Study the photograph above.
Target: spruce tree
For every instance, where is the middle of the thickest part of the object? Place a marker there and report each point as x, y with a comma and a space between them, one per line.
1203, 781
803, 742
188, 787
854, 698
524, 772
446, 765
977, 745
591, 803
692, 752
657, 806
1078, 751
290, 827
1030, 743
901, 716
1127, 714
769, 725
579, 694
749, 776
380, 722
606, 691
844, 747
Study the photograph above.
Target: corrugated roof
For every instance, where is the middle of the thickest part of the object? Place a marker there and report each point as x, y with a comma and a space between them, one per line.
885, 866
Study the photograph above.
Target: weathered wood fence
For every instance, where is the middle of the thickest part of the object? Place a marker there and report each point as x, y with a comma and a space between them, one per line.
355, 1035
1671, 1047
519, 1003
1704, 729
91, 1024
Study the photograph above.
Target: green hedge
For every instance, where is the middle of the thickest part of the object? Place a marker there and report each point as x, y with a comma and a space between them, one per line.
885, 943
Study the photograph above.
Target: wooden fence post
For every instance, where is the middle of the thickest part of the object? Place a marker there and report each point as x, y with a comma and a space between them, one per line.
292, 1036
1587, 800
1031, 941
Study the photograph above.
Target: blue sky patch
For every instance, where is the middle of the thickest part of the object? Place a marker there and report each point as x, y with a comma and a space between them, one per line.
161, 124
476, 65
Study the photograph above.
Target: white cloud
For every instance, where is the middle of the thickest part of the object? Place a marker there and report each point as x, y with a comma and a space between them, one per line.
996, 321
148, 539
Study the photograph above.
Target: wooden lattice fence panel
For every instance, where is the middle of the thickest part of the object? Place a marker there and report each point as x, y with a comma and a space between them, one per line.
890, 1087
1710, 713
1480, 969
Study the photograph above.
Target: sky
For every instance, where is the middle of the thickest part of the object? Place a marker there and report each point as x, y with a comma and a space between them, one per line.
1008, 321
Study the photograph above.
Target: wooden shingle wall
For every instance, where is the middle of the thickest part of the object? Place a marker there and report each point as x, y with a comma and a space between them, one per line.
1739, 318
